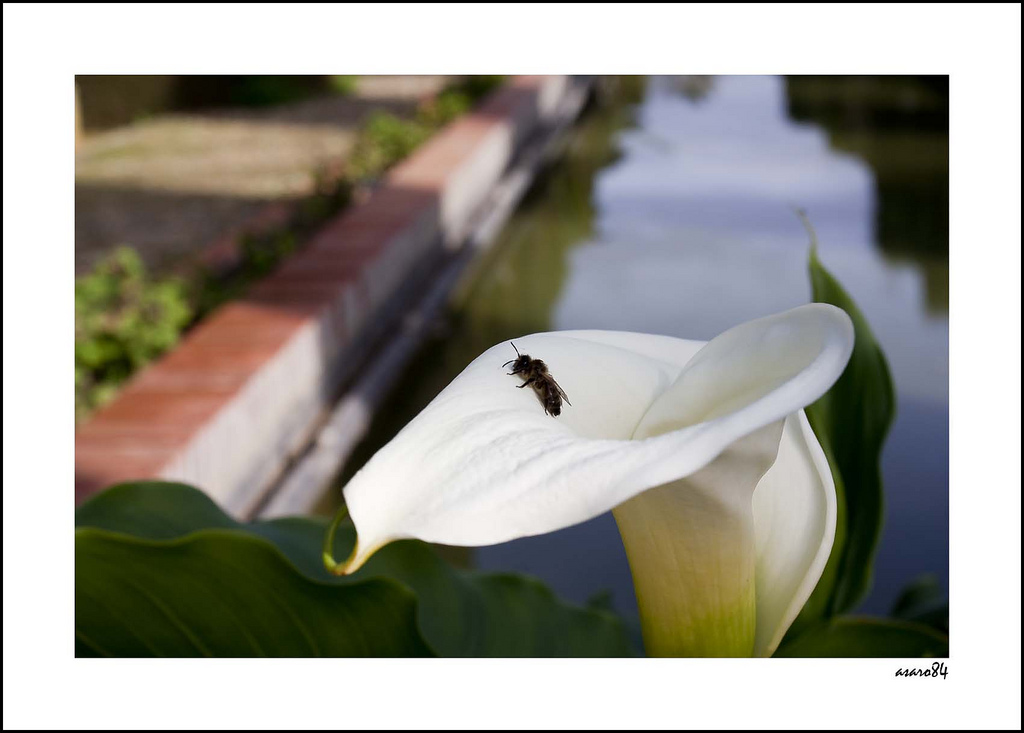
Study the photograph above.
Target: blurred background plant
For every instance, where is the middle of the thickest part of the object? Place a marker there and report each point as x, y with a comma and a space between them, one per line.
387, 138
123, 320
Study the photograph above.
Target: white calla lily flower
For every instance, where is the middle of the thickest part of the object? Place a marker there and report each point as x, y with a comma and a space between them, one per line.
722, 494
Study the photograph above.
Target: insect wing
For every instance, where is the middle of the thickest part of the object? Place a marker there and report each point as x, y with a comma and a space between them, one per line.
560, 391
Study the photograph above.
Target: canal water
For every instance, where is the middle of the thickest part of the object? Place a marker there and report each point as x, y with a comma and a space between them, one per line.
673, 213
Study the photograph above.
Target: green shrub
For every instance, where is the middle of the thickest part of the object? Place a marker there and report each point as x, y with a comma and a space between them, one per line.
481, 85
123, 320
444, 108
384, 140
343, 84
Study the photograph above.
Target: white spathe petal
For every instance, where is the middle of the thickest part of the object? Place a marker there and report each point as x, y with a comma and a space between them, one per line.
794, 528
483, 464
691, 550
757, 372
666, 349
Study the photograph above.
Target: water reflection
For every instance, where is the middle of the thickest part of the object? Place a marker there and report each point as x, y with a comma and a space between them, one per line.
909, 160
691, 230
696, 232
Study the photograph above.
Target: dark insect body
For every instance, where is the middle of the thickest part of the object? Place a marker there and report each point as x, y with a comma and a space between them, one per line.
534, 373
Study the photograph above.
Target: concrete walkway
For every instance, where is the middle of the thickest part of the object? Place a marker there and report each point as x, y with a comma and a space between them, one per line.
173, 185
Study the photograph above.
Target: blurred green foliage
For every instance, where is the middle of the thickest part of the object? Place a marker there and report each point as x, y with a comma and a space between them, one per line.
385, 138
272, 89
850, 636
343, 84
123, 320
922, 601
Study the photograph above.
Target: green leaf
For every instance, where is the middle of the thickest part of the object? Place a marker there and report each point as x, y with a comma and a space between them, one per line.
154, 510
471, 614
457, 613
223, 593
922, 601
851, 422
867, 637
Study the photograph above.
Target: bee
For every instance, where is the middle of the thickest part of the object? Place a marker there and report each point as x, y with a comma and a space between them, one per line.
536, 375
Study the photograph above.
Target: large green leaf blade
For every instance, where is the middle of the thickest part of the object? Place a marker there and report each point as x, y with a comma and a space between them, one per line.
225, 594
851, 422
458, 613
867, 637
155, 510
473, 614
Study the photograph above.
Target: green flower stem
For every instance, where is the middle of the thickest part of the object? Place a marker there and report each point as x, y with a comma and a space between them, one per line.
332, 565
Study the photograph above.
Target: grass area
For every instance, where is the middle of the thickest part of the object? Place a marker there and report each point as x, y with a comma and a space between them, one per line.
124, 318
